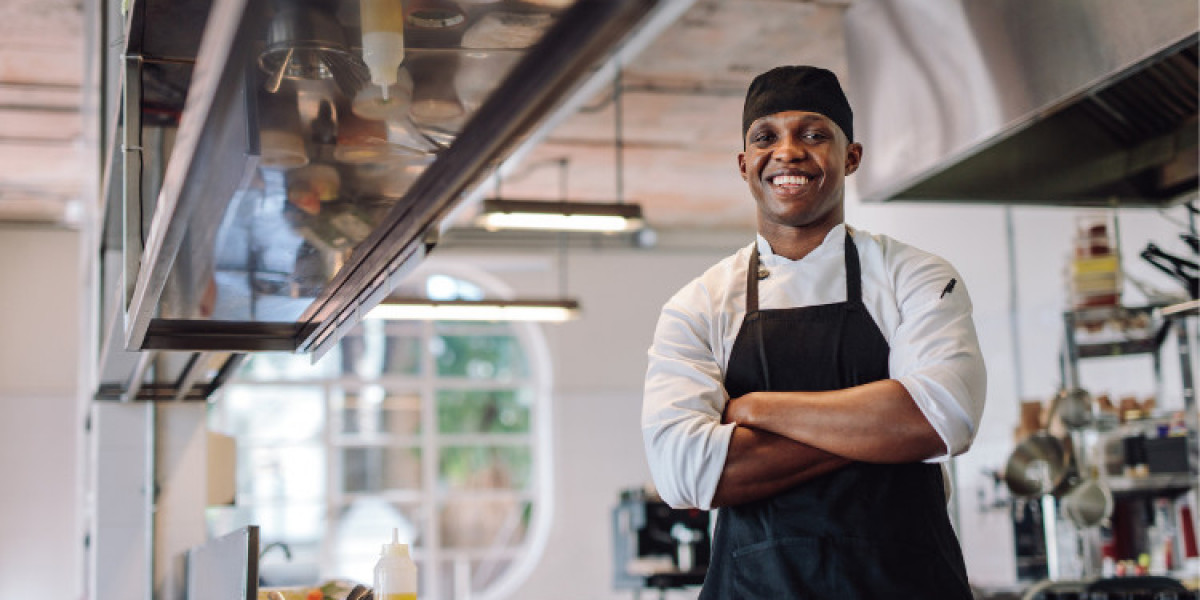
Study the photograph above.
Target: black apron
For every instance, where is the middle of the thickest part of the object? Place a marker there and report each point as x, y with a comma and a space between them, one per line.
862, 532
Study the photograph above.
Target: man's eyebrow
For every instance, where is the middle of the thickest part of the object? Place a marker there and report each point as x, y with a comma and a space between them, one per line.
809, 118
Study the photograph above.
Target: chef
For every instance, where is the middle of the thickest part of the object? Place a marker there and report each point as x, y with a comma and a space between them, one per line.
811, 384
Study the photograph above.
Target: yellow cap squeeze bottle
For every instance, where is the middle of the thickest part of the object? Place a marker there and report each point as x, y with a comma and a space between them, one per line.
395, 572
382, 40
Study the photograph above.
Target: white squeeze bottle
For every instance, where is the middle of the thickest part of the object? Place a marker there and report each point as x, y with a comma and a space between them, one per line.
382, 40
395, 573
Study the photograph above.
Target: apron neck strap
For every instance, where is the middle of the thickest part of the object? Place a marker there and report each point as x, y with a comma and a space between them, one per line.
853, 272
752, 282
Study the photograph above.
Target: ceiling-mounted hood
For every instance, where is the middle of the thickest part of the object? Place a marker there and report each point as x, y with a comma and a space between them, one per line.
266, 194
1061, 102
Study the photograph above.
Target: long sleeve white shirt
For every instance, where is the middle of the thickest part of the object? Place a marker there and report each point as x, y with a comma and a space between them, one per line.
934, 351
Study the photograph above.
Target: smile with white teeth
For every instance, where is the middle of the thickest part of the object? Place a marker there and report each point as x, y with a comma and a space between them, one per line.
789, 180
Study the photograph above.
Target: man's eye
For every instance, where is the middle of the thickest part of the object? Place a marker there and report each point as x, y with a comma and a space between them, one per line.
762, 137
815, 136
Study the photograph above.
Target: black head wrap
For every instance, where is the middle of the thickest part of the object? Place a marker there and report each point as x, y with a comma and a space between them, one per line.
809, 89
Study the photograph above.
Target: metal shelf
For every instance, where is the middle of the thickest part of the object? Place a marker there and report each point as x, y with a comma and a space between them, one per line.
1122, 348
1130, 345
1190, 308
1151, 484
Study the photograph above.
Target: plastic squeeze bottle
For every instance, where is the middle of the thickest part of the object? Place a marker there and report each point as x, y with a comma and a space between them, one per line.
382, 40
395, 572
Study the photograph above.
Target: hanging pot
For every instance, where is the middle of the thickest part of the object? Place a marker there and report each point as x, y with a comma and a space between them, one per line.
1088, 504
1074, 408
1036, 466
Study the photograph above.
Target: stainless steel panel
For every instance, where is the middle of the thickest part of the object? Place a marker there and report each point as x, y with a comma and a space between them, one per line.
1039, 101
293, 192
225, 568
132, 161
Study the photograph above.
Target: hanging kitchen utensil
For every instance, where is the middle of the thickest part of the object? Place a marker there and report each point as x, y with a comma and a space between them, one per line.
305, 41
1192, 240
1185, 271
1074, 408
1037, 466
1088, 504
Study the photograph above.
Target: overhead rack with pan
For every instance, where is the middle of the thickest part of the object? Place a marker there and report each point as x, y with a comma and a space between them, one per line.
264, 190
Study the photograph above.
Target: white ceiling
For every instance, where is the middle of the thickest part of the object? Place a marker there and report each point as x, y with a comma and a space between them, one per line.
681, 106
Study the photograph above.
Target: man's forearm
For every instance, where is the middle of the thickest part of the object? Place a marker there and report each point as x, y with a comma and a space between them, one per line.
760, 464
875, 422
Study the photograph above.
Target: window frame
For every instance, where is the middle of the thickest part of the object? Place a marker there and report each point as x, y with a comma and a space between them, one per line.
429, 500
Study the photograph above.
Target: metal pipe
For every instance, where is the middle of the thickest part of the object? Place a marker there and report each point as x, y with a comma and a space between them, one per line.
618, 142
131, 188
133, 385
1014, 329
150, 493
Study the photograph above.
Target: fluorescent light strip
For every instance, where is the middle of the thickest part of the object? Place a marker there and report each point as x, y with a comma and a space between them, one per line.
558, 222
552, 215
466, 310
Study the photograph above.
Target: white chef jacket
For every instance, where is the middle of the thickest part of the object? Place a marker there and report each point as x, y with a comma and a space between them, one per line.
925, 320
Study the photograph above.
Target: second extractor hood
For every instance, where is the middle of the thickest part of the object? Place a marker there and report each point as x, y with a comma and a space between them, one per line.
1059, 102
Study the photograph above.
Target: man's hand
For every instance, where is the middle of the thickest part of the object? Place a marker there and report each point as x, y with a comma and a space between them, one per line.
737, 409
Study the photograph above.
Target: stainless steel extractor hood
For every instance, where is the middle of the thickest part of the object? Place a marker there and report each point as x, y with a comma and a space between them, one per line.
1061, 102
263, 191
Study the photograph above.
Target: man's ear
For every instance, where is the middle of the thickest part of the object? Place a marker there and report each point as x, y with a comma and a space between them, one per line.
742, 165
853, 157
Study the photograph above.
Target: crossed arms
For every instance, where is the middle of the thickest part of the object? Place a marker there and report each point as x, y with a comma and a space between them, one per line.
784, 438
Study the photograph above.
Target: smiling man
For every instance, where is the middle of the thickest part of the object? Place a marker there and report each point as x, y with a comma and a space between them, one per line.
811, 384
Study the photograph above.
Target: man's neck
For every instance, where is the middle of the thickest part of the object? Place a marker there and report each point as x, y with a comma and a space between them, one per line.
795, 243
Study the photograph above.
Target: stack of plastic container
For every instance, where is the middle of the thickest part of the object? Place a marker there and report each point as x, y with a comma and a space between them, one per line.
1094, 277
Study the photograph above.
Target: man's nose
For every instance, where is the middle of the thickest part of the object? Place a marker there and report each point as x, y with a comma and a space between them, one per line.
790, 149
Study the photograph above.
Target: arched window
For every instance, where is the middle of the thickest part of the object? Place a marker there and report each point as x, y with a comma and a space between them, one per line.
440, 429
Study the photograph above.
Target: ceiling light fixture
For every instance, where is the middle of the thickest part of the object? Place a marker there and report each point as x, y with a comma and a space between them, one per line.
423, 309
559, 215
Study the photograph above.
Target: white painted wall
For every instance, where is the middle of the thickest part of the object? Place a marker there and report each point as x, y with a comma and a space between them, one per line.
41, 311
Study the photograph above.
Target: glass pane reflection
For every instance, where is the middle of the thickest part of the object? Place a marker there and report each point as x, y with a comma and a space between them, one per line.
480, 356
380, 469
373, 410
485, 468
491, 523
483, 411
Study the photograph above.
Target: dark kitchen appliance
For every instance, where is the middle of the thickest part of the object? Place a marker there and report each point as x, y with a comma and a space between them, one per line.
656, 546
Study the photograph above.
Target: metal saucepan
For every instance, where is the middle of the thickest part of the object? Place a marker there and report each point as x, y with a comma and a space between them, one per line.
1037, 466
1074, 407
1088, 504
